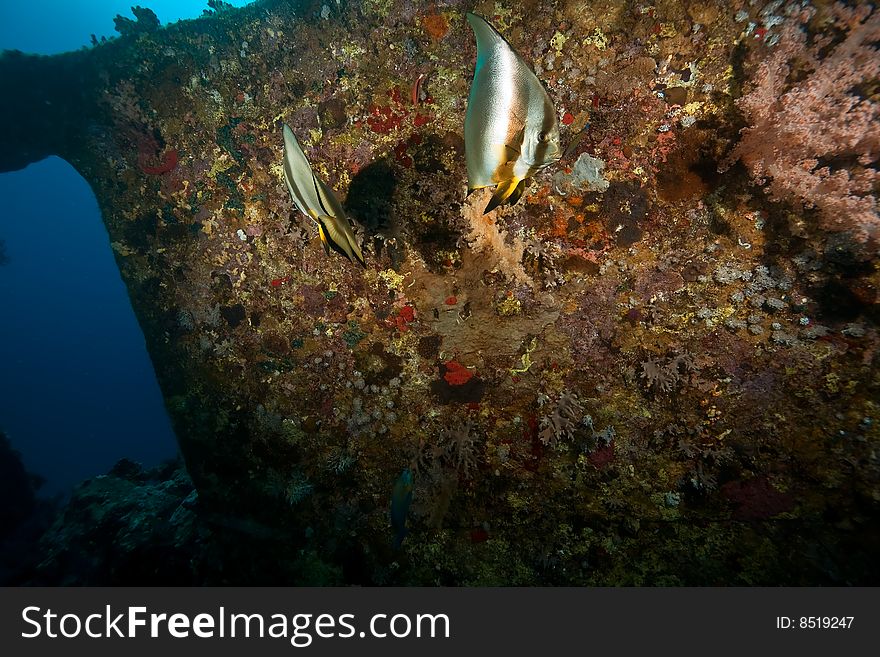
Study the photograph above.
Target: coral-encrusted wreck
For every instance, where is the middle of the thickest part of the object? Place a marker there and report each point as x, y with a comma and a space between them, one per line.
726, 340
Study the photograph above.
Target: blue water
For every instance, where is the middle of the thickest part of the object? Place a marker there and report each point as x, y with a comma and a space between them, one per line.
77, 389
52, 26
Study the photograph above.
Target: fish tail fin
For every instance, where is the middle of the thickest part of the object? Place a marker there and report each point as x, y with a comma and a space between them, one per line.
502, 192
356, 252
358, 255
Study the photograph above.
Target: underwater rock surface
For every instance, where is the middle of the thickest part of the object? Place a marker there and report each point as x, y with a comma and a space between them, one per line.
671, 379
24, 517
147, 527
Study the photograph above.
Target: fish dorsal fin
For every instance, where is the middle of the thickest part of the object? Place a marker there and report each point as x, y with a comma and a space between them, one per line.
299, 176
488, 38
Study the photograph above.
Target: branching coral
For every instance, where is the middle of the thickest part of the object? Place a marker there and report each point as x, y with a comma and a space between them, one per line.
561, 423
816, 141
462, 449
658, 375
145, 21
456, 451
665, 374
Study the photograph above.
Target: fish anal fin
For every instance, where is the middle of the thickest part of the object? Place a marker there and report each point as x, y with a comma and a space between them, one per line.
324, 239
358, 254
502, 193
517, 193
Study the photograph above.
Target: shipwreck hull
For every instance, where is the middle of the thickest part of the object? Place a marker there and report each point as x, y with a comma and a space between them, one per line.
650, 374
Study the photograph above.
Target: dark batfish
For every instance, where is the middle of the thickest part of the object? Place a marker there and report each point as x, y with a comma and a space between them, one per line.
316, 200
401, 498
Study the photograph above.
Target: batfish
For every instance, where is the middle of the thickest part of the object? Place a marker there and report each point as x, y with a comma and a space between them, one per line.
315, 199
510, 128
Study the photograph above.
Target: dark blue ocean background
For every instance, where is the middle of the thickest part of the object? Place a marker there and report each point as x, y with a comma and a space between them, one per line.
77, 389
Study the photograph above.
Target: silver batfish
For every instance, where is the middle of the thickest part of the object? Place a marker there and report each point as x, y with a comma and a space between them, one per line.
510, 129
316, 200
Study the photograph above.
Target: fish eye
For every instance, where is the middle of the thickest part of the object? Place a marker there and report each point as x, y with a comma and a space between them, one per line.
542, 136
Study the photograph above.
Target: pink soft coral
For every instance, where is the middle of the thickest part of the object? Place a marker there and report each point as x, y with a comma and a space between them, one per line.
817, 141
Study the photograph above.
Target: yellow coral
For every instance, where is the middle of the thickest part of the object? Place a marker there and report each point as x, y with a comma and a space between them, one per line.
832, 382
667, 30
220, 165
509, 306
526, 359
558, 41
121, 249
392, 279
597, 39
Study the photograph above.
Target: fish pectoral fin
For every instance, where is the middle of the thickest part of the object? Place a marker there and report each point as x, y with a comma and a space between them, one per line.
503, 191
504, 154
515, 144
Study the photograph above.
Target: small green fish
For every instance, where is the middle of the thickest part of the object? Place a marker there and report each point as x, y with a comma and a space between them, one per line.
401, 498
316, 200
510, 128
